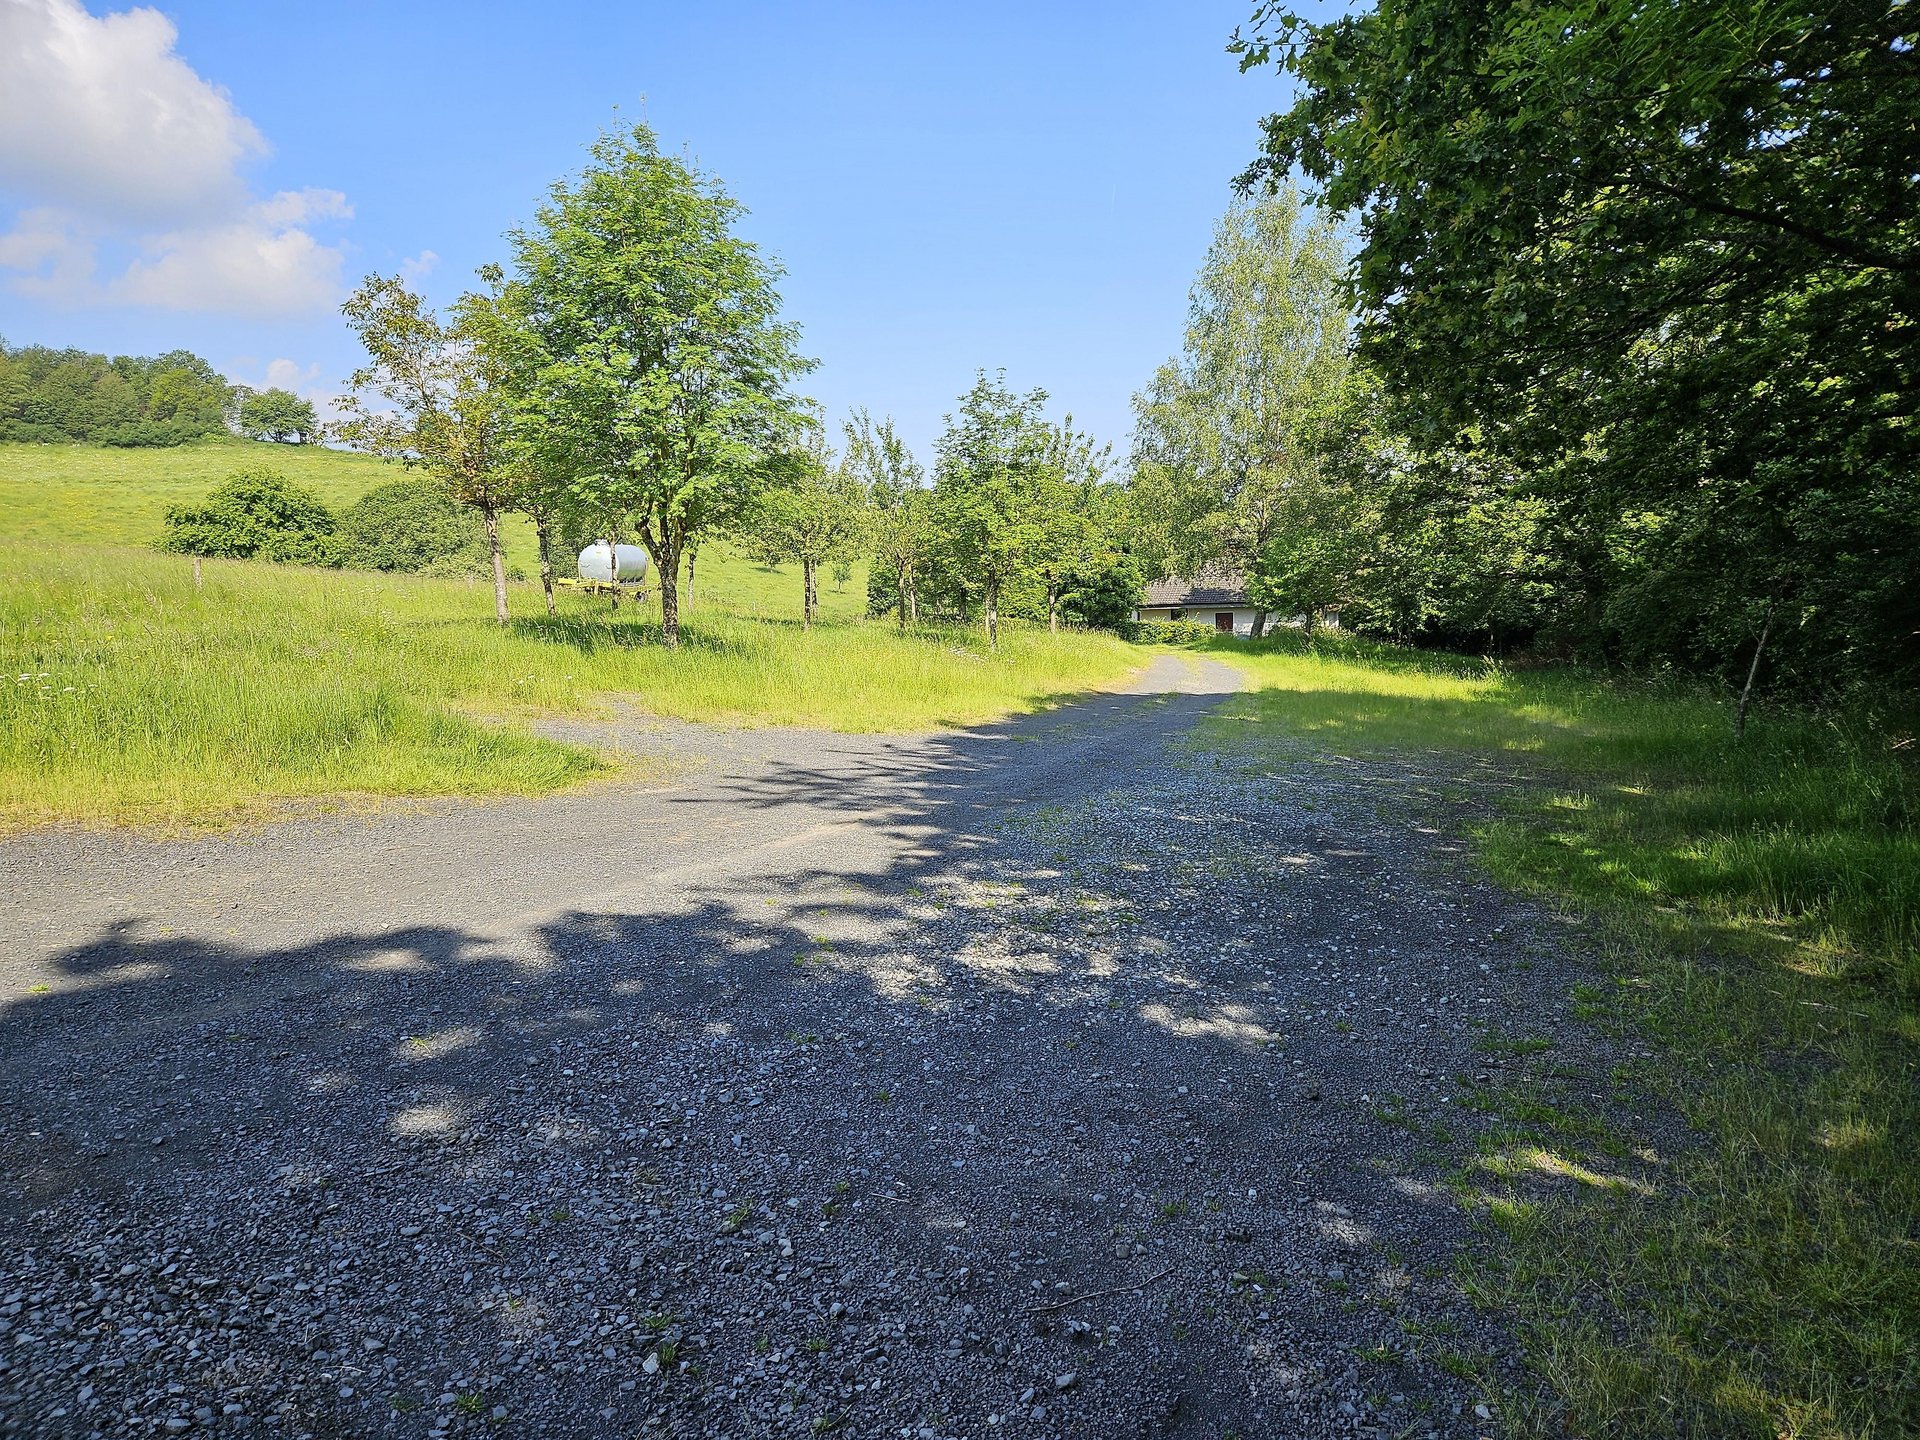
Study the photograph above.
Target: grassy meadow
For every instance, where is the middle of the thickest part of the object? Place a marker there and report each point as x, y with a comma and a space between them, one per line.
129, 695
1758, 907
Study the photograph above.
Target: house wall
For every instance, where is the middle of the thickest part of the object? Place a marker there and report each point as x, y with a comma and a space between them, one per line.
1242, 615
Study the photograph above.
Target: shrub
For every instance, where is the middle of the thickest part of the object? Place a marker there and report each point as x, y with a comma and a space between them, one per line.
254, 514
408, 526
1167, 632
141, 434
1103, 592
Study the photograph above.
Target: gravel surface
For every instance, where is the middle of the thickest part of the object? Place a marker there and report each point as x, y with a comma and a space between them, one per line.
1054, 1078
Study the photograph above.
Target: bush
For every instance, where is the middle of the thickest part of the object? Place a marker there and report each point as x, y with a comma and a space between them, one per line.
254, 514
141, 434
1103, 592
407, 526
33, 433
1167, 632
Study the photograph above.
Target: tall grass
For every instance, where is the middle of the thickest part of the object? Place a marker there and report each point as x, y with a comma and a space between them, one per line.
129, 694
1758, 905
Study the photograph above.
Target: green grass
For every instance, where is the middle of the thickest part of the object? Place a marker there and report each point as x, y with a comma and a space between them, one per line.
81, 495
1758, 907
131, 696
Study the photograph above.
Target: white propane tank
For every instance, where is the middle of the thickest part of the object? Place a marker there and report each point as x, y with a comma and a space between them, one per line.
630, 560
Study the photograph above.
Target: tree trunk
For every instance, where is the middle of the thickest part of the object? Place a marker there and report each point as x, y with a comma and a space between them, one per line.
492, 517
993, 615
1053, 609
667, 560
900, 595
693, 555
1306, 623
542, 532
613, 571
1259, 625
1746, 691
809, 589
913, 600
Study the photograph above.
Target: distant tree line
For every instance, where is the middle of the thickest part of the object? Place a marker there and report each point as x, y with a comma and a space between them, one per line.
54, 396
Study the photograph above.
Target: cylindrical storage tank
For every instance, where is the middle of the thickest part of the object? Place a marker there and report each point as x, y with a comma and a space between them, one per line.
597, 564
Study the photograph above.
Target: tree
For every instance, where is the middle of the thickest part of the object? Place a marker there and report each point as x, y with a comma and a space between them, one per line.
899, 508
1216, 447
435, 394
1664, 262
659, 384
278, 415
1068, 481
988, 487
254, 514
810, 513
414, 527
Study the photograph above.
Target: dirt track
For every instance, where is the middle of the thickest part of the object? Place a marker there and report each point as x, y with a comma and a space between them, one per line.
1051, 1078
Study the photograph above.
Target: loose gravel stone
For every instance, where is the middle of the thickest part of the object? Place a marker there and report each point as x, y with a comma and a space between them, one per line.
1029, 1078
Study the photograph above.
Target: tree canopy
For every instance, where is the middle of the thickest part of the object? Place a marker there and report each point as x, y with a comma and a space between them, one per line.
1217, 448
657, 373
437, 394
1665, 263
277, 415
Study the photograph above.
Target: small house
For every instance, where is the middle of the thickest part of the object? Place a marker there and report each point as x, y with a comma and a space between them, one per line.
1217, 598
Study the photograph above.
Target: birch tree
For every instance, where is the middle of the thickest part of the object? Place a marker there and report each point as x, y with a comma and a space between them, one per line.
1216, 443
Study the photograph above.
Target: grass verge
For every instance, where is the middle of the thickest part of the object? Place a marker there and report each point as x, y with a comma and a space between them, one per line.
1757, 906
128, 695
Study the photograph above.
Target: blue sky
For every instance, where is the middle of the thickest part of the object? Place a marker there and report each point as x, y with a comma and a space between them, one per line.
949, 186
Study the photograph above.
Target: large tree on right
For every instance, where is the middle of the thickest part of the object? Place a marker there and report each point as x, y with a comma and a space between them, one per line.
1665, 259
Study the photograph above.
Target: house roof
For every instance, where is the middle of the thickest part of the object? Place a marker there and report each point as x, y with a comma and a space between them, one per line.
1209, 587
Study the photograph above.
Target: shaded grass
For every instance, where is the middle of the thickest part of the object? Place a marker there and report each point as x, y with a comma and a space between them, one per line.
1757, 905
128, 695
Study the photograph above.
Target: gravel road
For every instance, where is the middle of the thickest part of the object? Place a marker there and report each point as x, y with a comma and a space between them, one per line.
1053, 1078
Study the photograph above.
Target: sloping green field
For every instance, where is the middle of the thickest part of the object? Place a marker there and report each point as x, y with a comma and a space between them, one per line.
131, 695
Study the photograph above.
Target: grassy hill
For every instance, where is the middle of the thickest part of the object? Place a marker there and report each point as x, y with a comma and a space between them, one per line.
131, 695
91, 495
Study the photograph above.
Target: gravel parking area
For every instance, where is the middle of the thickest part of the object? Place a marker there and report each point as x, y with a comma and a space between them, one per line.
1049, 1079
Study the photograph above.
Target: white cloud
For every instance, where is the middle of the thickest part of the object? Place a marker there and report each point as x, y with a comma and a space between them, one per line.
121, 146
419, 267
100, 115
250, 268
297, 207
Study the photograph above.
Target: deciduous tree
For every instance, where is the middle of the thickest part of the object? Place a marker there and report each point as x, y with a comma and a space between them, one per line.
1664, 261
809, 513
435, 394
277, 415
1216, 444
899, 508
659, 386
988, 490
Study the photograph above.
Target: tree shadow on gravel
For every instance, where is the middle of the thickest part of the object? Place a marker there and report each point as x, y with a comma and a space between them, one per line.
949, 1085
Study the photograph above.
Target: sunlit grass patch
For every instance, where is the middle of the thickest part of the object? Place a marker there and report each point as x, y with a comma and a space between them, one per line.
129, 694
